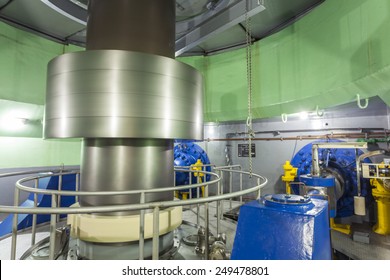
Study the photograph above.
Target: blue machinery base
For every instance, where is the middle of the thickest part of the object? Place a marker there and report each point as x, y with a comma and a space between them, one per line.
283, 227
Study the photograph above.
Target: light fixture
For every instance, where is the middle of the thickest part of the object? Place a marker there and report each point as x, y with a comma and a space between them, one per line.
10, 123
303, 115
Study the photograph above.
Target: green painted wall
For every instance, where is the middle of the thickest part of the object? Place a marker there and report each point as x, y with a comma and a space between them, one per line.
340, 49
34, 152
23, 63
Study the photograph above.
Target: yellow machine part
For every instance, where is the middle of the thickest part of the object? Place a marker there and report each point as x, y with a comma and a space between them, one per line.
381, 194
198, 166
290, 172
346, 229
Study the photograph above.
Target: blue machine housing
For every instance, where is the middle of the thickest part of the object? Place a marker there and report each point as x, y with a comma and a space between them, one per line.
283, 227
25, 220
327, 183
186, 154
341, 160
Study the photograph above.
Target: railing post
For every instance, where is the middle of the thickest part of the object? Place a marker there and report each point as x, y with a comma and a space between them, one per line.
34, 216
219, 203
142, 228
197, 205
259, 192
15, 225
230, 187
222, 192
77, 187
53, 225
59, 195
206, 222
241, 188
190, 190
156, 231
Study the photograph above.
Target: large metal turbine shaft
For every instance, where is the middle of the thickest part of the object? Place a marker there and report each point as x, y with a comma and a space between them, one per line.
127, 98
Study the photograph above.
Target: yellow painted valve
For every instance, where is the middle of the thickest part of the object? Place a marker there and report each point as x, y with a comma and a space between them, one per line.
198, 166
290, 172
381, 193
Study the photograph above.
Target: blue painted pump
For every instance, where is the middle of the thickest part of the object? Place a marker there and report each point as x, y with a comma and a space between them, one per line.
25, 220
283, 227
340, 161
186, 154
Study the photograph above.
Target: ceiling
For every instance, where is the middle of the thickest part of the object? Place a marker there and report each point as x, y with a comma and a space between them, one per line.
203, 27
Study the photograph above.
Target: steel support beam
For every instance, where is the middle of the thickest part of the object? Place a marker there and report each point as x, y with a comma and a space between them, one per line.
226, 19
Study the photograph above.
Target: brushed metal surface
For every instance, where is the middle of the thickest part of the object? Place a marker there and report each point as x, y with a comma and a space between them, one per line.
132, 25
126, 164
124, 94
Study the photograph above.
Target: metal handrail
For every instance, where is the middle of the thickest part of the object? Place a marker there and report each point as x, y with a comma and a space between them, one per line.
20, 173
107, 193
56, 210
117, 208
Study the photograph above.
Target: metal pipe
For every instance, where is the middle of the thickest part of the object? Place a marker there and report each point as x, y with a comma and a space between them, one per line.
206, 223
14, 225
259, 191
241, 187
228, 167
53, 226
60, 189
19, 173
310, 130
230, 188
218, 205
222, 192
304, 137
315, 169
197, 205
77, 187
34, 216
156, 231
190, 194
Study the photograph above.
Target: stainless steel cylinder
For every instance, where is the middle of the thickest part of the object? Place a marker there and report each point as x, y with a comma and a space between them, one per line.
126, 164
122, 94
146, 26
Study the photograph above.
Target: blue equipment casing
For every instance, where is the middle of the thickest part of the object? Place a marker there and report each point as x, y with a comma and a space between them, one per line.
343, 162
283, 227
186, 153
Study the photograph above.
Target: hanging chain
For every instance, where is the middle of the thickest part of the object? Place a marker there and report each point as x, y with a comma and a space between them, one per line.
249, 85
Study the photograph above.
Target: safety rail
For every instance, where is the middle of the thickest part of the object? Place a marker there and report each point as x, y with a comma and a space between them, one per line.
55, 210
